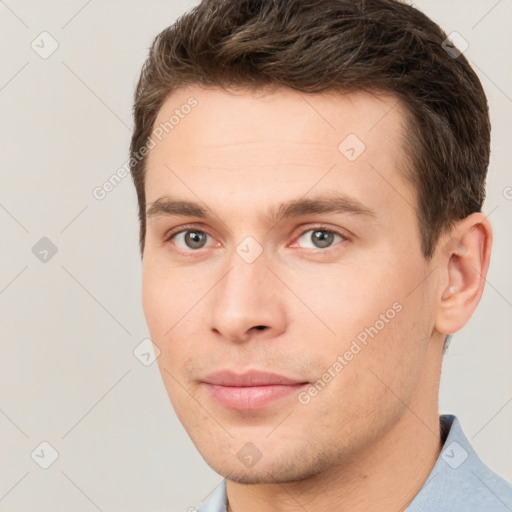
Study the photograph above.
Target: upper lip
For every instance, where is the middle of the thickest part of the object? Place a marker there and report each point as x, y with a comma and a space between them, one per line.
249, 378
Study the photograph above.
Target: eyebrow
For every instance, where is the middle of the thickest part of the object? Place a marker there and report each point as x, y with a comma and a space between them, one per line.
324, 203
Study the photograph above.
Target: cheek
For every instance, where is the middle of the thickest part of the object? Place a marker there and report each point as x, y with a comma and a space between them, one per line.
164, 303
346, 299
359, 383
172, 299
156, 304
378, 325
167, 295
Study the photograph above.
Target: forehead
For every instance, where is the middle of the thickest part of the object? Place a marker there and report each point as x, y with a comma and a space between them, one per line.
280, 112
276, 143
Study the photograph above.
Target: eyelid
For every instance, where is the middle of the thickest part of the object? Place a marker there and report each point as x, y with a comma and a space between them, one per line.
322, 227
298, 233
169, 235
185, 227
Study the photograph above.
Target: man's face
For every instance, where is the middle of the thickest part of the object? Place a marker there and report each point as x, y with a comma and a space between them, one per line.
299, 257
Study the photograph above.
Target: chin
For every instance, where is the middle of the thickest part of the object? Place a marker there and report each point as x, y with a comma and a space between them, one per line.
293, 469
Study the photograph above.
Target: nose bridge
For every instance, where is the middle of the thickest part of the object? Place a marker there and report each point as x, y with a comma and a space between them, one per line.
246, 298
244, 286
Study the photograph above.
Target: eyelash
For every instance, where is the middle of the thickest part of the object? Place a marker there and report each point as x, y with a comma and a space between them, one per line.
184, 229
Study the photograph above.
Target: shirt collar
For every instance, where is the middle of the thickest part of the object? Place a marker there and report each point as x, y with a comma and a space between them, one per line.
459, 480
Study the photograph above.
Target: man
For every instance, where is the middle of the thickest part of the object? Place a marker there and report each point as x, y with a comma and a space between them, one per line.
310, 178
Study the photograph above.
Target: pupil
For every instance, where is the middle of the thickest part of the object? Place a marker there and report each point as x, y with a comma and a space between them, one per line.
195, 239
322, 238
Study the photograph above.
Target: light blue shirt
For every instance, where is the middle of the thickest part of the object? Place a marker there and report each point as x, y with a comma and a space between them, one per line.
459, 481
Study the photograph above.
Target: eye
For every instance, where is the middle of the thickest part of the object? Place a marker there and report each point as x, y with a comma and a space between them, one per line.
190, 239
319, 238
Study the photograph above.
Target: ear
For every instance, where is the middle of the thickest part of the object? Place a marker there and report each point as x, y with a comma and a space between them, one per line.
464, 256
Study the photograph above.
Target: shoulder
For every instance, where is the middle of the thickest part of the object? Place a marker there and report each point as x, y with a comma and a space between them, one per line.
460, 481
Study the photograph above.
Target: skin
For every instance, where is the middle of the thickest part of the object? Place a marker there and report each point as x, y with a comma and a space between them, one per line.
370, 437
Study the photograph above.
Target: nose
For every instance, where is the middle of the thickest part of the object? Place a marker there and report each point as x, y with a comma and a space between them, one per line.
247, 303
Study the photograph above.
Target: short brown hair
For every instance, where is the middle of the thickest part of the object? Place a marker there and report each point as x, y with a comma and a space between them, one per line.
316, 46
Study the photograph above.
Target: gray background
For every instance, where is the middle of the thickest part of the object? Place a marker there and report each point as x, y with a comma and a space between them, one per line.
69, 325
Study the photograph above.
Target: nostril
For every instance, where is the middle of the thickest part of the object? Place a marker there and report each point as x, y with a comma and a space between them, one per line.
260, 327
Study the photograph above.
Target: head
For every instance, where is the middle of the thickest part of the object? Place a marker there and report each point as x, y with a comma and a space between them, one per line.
310, 177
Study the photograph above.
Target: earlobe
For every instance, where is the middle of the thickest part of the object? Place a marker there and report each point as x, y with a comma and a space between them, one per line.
464, 259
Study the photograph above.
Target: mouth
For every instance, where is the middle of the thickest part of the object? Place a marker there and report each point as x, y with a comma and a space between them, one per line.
251, 390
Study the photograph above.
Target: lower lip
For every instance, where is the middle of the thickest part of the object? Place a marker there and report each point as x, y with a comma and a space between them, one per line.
251, 397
